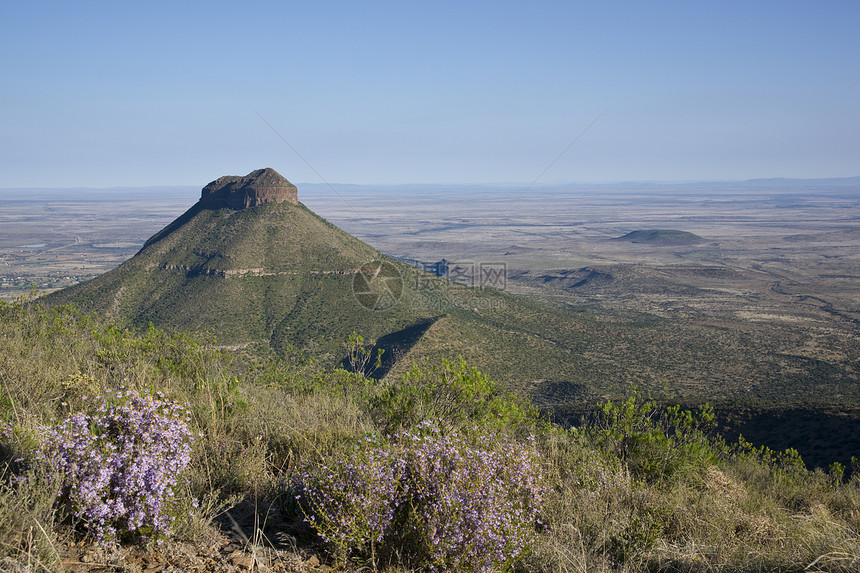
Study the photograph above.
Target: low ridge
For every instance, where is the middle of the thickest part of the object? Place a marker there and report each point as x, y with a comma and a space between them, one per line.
667, 237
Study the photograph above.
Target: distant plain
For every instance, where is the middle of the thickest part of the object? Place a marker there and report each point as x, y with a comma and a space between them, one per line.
775, 283
775, 278
775, 256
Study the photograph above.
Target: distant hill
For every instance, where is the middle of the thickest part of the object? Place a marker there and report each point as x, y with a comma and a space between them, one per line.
667, 237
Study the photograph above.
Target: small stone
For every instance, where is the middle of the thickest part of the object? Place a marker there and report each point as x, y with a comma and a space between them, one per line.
313, 561
243, 562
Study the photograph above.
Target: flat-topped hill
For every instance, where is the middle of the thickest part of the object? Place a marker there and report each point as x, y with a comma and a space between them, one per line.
661, 237
240, 262
277, 277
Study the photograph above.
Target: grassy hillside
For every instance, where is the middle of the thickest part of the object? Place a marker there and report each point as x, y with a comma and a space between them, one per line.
248, 276
640, 487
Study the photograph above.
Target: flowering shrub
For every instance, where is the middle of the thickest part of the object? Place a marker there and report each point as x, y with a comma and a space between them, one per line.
121, 465
476, 504
458, 503
351, 499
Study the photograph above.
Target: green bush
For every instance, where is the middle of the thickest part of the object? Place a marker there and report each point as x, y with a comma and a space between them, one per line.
452, 394
658, 443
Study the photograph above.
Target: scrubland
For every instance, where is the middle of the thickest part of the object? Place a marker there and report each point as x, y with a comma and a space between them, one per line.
281, 464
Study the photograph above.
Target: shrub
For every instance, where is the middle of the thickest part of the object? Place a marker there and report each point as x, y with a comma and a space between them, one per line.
474, 505
454, 395
121, 465
360, 358
439, 501
658, 443
351, 498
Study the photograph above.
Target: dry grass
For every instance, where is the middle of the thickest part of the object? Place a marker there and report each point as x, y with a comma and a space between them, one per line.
704, 507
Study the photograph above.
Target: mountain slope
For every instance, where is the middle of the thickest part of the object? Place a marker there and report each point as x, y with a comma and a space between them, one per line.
273, 273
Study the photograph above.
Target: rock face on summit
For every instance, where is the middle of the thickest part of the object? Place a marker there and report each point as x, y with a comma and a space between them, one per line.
258, 187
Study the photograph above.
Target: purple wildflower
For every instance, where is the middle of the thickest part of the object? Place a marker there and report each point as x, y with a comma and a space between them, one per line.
121, 465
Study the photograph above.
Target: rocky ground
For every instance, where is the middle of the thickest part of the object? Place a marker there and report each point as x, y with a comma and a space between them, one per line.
228, 546
222, 554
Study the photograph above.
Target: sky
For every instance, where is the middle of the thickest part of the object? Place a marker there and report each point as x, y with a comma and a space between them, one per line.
98, 94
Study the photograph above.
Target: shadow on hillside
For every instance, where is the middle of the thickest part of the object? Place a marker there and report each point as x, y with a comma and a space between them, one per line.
396, 345
821, 435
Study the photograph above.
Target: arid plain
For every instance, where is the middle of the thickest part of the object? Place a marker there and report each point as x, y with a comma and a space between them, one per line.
776, 258
777, 268
773, 256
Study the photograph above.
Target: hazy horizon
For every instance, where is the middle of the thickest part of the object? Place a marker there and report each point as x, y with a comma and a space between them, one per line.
774, 182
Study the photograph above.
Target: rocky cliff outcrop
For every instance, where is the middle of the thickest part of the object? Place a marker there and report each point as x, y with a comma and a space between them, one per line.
258, 187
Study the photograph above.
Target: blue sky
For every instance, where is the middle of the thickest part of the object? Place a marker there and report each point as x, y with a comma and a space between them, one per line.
168, 93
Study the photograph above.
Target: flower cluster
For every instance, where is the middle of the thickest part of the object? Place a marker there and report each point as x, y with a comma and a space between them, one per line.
476, 502
350, 500
121, 465
463, 504
6, 431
